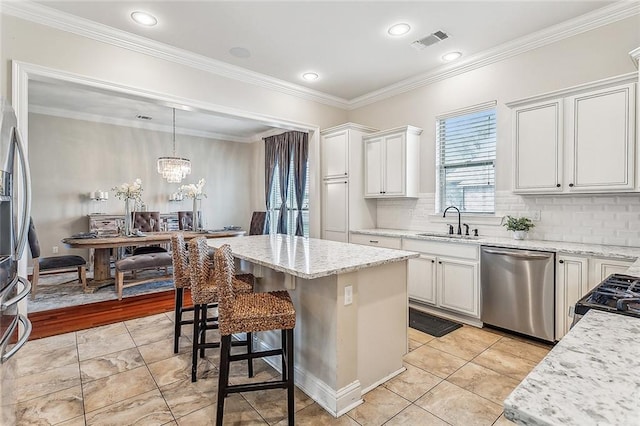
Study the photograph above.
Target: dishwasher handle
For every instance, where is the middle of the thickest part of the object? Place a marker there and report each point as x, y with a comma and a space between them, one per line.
517, 255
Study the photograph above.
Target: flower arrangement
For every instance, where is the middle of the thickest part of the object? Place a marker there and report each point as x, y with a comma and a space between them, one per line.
518, 223
129, 191
194, 191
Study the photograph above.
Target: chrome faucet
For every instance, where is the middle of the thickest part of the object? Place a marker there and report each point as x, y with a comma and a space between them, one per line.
459, 222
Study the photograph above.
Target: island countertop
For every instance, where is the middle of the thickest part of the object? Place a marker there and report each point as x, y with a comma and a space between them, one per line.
589, 378
309, 258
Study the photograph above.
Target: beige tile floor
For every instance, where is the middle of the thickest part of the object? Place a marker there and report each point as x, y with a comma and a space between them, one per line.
126, 373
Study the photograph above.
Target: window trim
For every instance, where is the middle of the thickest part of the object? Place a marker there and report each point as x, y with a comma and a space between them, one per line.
440, 167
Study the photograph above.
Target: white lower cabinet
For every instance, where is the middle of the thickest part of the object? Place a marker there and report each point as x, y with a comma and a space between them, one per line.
575, 277
600, 268
421, 279
571, 284
458, 286
446, 275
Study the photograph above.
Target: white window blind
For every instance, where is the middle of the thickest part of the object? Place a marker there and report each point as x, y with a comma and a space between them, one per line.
292, 212
465, 160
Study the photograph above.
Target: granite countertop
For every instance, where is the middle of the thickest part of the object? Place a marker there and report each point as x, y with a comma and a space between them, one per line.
309, 258
589, 378
623, 252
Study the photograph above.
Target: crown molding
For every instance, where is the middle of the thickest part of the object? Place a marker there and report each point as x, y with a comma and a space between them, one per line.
589, 21
44, 15
96, 118
635, 56
41, 14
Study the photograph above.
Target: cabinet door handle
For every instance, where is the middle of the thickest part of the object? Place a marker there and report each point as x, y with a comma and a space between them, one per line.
433, 261
571, 185
374, 241
558, 185
560, 261
440, 262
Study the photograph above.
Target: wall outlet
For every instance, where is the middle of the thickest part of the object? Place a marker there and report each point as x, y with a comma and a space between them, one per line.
348, 295
54, 249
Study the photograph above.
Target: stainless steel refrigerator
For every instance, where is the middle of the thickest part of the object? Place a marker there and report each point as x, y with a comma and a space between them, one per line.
15, 206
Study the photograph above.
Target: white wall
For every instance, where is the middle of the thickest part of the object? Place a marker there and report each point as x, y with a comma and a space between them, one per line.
597, 54
70, 158
37, 44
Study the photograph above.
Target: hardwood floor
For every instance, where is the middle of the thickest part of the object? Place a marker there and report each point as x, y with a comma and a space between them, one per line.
65, 320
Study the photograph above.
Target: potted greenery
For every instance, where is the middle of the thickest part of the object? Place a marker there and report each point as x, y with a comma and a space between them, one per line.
519, 225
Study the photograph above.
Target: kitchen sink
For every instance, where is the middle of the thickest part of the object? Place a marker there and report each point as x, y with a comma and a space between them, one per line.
443, 235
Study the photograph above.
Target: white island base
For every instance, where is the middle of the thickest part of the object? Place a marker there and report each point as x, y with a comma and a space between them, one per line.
343, 348
344, 351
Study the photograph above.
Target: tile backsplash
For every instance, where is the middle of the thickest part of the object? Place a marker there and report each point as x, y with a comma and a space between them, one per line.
594, 219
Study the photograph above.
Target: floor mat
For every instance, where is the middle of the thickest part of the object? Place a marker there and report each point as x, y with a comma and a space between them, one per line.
430, 324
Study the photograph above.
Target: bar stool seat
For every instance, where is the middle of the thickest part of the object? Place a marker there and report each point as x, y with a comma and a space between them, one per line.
249, 313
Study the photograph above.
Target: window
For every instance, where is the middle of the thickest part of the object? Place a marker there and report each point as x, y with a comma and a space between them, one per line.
292, 212
465, 160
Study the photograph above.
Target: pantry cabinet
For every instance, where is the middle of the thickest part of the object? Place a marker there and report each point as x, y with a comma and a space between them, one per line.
391, 166
576, 140
343, 204
446, 275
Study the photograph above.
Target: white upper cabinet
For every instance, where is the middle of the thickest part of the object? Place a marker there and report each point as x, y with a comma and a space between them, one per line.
581, 140
335, 155
600, 140
538, 147
391, 163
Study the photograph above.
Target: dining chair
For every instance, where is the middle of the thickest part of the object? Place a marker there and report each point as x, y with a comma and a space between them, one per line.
258, 222
53, 264
147, 222
185, 220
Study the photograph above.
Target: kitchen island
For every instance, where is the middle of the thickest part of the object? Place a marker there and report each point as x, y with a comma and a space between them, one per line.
351, 311
589, 378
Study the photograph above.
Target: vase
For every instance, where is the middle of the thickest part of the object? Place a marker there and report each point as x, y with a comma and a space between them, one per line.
195, 223
127, 217
519, 235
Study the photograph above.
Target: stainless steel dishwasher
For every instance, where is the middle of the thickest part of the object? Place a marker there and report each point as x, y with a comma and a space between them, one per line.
518, 290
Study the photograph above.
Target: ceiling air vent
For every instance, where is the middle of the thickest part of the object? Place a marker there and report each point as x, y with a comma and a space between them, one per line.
429, 40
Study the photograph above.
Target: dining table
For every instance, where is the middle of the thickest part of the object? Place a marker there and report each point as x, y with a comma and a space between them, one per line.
103, 246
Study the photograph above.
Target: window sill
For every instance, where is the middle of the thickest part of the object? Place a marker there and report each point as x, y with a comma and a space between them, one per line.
468, 218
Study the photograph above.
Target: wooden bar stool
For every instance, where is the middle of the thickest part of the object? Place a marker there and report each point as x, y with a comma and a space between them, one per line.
204, 293
249, 313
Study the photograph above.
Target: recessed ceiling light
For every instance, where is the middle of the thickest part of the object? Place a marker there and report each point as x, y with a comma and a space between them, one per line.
451, 56
399, 29
144, 18
310, 76
240, 52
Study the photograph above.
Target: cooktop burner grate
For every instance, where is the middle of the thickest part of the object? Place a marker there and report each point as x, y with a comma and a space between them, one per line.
617, 293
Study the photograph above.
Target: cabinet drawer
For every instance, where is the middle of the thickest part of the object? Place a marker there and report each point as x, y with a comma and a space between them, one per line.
376, 241
459, 250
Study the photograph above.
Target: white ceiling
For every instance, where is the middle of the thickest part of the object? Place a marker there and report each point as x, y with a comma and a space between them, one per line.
345, 42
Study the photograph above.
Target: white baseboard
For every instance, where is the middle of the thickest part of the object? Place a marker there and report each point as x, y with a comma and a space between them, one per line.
336, 402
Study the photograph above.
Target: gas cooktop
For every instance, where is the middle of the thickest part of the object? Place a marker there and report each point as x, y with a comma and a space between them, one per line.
618, 293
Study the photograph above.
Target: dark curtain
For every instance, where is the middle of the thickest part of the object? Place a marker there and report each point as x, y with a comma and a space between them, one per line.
270, 161
300, 157
279, 150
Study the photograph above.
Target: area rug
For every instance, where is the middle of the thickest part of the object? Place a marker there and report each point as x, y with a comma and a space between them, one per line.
64, 290
430, 324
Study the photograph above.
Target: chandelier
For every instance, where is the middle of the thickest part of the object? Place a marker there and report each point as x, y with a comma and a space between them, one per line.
174, 169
